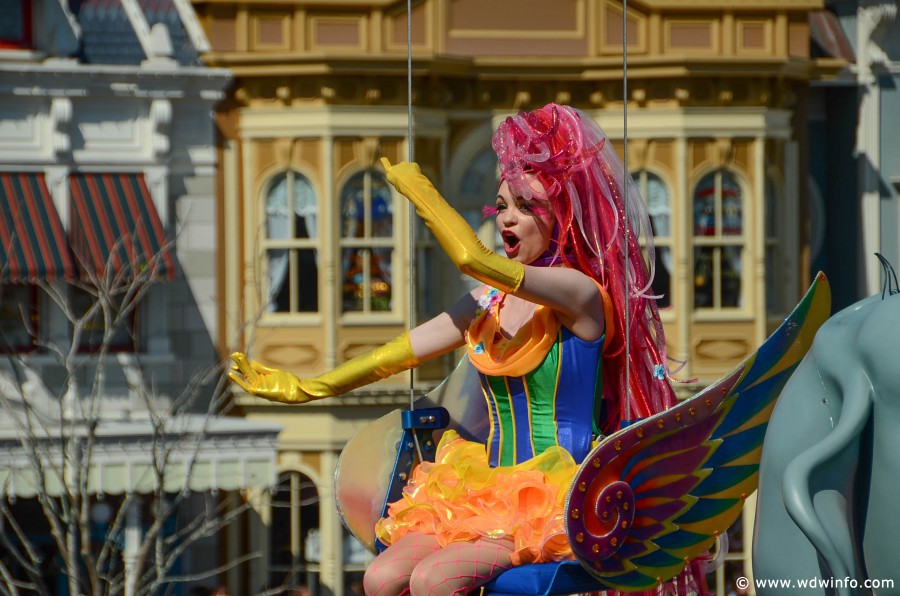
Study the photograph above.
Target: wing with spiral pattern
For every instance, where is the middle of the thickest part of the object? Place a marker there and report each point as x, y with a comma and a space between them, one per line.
655, 495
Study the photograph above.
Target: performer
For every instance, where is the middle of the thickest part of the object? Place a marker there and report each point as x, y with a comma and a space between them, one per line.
547, 334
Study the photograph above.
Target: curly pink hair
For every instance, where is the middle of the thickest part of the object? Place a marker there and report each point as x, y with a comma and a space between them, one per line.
582, 178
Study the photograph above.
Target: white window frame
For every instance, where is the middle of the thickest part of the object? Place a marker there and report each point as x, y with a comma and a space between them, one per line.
292, 245
718, 241
367, 315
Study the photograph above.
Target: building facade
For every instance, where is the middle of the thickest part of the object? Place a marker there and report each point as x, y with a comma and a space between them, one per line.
107, 171
318, 260
854, 157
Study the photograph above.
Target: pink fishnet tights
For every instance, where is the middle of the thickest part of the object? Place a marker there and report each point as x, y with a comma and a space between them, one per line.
417, 566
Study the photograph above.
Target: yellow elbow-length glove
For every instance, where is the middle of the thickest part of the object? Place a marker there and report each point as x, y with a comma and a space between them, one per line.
455, 236
281, 386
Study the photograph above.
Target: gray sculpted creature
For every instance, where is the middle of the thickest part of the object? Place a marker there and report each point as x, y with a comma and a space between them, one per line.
829, 487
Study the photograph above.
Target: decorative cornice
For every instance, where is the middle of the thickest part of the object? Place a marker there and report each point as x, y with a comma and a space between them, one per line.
461, 93
79, 80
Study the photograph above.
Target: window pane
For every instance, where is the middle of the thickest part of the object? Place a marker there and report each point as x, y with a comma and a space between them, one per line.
705, 207
352, 278
279, 288
380, 296
18, 317
382, 207
294, 532
307, 280
120, 339
352, 207
703, 277
658, 205
662, 281
277, 210
367, 213
303, 205
288, 218
364, 268
731, 276
301, 266
305, 208
280, 555
771, 209
732, 206
13, 21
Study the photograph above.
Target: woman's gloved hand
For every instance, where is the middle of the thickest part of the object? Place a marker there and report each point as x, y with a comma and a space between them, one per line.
269, 383
278, 385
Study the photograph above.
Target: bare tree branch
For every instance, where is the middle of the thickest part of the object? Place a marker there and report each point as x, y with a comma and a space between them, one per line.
58, 426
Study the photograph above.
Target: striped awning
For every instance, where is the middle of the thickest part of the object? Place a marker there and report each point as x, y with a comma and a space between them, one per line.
114, 227
200, 454
33, 243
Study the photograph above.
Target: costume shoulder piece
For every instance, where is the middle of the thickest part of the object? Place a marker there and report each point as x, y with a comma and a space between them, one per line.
496, 355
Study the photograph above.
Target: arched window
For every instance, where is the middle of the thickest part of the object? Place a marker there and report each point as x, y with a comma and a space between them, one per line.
291, 244
718, 241
367, 243
294, 551
655, 193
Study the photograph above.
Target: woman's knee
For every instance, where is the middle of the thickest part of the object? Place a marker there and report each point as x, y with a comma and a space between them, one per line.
383, 580
428, 580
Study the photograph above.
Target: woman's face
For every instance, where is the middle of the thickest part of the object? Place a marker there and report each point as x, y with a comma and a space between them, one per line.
526, 226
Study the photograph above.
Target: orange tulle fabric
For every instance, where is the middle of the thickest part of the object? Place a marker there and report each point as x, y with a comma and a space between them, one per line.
461, 498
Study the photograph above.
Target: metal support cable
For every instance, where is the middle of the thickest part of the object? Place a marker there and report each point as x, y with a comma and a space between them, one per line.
626, 176
411, 209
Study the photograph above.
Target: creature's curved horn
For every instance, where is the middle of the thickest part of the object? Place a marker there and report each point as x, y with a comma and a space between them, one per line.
890, 285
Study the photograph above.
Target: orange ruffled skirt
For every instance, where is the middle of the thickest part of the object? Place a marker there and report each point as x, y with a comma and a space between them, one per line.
460, 497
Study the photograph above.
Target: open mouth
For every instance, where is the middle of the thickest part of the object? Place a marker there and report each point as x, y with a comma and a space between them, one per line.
510, 243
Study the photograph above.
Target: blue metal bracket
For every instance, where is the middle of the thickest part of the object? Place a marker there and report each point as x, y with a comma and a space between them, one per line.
417, 424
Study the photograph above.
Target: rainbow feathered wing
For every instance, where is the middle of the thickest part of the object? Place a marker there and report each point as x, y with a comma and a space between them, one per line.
655, 495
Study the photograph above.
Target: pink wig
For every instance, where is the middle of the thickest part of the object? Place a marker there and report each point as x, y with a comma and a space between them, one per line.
582, 179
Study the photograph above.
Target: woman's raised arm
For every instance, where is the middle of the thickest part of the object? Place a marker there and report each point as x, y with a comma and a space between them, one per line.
574, 296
